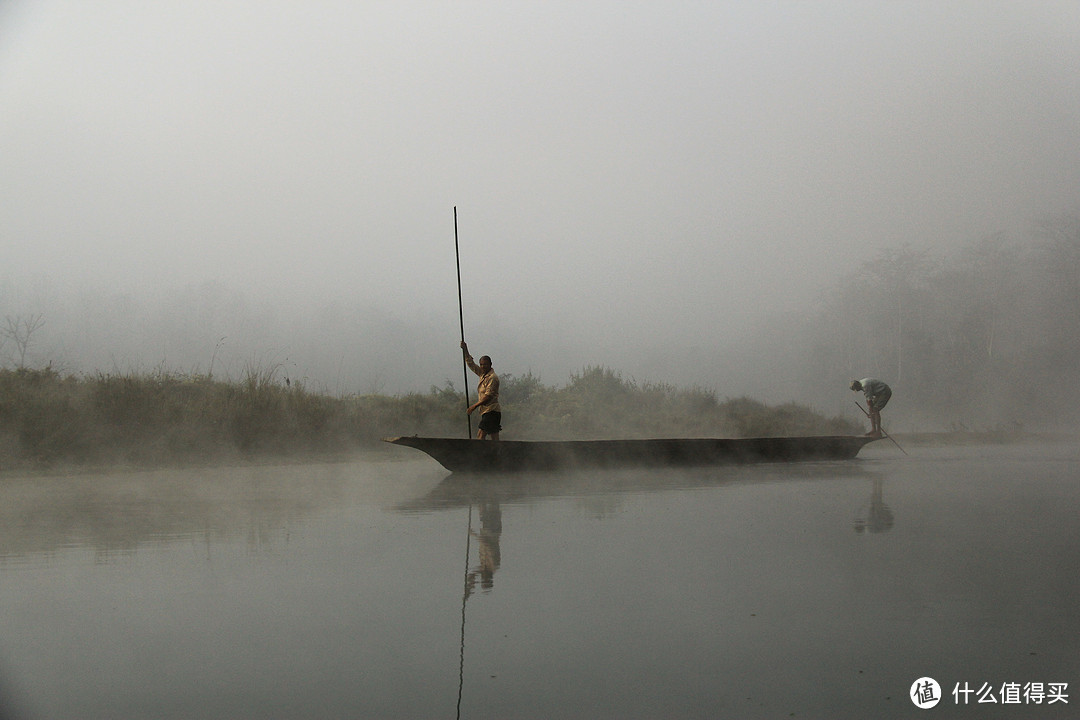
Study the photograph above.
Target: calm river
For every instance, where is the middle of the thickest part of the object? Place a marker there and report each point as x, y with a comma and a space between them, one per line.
385, 589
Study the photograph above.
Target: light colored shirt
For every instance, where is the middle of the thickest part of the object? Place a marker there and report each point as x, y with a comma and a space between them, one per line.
874, 388
487, 390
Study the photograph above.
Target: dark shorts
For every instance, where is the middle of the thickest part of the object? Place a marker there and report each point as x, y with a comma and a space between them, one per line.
879, 401
491, 422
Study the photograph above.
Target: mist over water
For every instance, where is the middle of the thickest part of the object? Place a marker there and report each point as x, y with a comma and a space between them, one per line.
814, 589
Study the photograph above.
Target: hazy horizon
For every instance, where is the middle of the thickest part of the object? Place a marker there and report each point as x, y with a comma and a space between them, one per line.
652, 188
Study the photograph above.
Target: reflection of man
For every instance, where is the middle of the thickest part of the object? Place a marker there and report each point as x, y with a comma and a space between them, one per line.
490, 556
880, 517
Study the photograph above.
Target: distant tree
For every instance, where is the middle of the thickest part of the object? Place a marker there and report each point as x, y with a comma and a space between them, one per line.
898, 275
520, 388
20, 330
869, 322
1058, 264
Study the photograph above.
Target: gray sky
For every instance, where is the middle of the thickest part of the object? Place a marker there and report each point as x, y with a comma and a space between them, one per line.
629, 176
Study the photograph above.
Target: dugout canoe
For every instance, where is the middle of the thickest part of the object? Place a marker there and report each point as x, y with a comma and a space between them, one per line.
463, 455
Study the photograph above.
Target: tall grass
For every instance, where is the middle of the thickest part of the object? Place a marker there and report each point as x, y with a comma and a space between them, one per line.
600, 403
161, 418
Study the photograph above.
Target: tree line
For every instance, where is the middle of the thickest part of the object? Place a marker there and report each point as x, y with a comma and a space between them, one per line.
985, 337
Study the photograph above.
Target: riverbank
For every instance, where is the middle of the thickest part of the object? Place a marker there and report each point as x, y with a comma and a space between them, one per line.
49, 420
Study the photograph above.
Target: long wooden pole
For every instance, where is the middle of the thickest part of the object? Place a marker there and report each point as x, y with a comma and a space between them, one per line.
461, 320
468, 419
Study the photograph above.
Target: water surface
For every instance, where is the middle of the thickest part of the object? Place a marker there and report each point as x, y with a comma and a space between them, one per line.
389, 590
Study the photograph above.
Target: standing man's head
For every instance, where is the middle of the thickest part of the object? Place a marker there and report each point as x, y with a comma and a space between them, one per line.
485, 363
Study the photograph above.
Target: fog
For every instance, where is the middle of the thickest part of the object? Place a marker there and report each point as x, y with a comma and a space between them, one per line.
666, 189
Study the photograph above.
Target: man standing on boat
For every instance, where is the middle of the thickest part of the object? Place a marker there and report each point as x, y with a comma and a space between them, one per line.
487, 401
877, 395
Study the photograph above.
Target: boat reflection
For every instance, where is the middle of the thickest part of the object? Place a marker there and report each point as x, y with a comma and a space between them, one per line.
488, 492
459, 490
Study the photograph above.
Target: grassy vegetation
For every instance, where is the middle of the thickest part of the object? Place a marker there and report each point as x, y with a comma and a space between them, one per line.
600, 403
159, 419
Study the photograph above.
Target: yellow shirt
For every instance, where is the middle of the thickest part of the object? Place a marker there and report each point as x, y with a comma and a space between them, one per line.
487, 390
